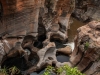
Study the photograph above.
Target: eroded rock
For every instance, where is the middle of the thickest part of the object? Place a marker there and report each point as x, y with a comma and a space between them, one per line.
23, 19
87, 10
87, 48
11, 47
66, 50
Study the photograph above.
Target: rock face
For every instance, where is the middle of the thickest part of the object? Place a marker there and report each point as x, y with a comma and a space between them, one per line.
87, 10
11, 48
27, 24
86, 55
20, 18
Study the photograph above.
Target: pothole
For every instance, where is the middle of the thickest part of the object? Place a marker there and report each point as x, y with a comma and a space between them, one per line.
62, 57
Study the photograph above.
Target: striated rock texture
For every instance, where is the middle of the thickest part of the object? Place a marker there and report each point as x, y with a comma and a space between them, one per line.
33, 17
86, 55
87, 10
19, 17
28, 26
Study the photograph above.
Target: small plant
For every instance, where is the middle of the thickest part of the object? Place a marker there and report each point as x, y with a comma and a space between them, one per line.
72, 71
9, 71
86, 46
66, 69
4, 71
48, 70
14, 70
59, 70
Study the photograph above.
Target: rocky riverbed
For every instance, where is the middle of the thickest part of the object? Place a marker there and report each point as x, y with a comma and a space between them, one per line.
37, 33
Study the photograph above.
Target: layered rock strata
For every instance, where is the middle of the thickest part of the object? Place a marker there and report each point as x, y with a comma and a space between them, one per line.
27, 24
87, 10
86, 54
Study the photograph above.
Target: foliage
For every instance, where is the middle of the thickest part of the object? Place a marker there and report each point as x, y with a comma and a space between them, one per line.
72, 71
49, 70
59, 70
4, 71
64, 69
12, 71
86, 46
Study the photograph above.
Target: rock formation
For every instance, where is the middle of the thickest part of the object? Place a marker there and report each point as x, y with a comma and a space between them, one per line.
87, 10
11, 48
20, 18
28, 26
86, 55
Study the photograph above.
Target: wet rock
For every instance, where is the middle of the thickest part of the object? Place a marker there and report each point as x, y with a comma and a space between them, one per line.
87, 48
47, 56
26, 19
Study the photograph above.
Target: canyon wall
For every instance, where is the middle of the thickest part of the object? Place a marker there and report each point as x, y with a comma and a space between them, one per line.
87, 10
86, 55
24, 24
22, 17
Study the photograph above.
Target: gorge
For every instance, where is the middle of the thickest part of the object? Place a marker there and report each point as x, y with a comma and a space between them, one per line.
35, 33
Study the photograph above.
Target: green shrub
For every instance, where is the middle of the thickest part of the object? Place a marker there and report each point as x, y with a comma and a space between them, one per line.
66, 69
12, 71
4, 71
86, 46
49, 70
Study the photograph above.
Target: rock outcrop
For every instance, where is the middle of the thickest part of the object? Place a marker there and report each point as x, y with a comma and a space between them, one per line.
28, 26
20, 18
87, 10
11, 47
86, 55
66, 50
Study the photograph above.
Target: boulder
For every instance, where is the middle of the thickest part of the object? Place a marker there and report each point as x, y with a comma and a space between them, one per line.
66, 50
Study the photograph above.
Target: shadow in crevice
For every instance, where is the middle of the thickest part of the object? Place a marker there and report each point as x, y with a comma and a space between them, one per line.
89, 65
19, 62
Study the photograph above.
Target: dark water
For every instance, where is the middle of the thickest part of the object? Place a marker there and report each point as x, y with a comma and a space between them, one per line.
73, 29
40, 73
71, 33
60, 57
